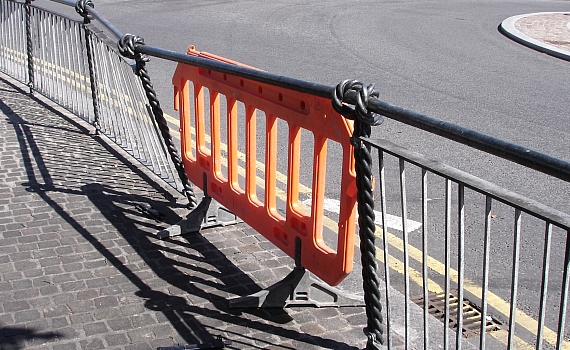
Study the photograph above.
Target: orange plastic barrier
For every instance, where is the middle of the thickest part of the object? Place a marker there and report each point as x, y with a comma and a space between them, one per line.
299, 111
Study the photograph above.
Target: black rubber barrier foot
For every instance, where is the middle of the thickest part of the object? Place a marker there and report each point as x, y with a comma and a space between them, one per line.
208, 213
298, 288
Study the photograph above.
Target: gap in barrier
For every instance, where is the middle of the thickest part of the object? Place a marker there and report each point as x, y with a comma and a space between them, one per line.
259, 150
282, 166
238, 121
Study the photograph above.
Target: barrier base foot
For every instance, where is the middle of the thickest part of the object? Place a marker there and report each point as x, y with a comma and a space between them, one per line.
208, 213
298, 288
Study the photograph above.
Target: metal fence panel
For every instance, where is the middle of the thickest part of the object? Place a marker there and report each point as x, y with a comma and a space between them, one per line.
61, 73
469, 262
124, 113
60, 62
13, 40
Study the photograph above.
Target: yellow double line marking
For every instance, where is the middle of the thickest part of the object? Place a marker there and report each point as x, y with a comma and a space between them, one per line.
524, 320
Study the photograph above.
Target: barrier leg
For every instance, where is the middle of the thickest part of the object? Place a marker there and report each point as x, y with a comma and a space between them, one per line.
208, 213
298, 288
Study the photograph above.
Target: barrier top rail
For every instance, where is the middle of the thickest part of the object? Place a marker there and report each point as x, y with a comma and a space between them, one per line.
521, 155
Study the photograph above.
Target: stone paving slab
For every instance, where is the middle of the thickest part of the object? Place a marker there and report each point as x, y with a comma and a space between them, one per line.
551, 28
81, 269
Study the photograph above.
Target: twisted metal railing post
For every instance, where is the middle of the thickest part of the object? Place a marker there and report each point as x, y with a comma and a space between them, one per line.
80, 7
127, 47
363, 163
29, 45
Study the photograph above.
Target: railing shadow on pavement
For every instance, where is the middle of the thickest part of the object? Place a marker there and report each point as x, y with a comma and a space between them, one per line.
13, 338
180, 265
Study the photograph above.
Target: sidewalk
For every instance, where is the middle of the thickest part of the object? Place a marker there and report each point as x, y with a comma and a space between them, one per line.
547, 32
81, 269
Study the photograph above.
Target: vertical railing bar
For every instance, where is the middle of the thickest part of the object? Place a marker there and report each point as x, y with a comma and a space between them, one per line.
87, 92
104, 87
50, 66
88, 47
3, 36
382, 172
122, 122
460, 262
133, 130
68, 77
145, 128
485, 284
15, 68
88, 106
19, 70
9, 41
162, 158
29, 45
75, 77
515, 277
41, 71
76, 72
156, 142
63, 64
167, 169
425, 256
58, 58
72, 56
127, 129
148, 131
130, 131
406, 250
105, 113
544, 286
144, 125
564, 295
447, 261
81, 53
34, 26
57, 61
45, 54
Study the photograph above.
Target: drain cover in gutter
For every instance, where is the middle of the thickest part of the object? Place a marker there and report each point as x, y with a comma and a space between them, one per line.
471, 313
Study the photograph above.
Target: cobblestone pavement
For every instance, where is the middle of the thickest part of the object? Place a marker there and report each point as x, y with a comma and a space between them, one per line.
81, 269
551, 28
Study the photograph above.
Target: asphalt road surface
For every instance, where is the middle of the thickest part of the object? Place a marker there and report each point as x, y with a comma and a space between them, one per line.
446, 59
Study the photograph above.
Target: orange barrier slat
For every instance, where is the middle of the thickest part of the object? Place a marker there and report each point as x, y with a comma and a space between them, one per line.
300, 112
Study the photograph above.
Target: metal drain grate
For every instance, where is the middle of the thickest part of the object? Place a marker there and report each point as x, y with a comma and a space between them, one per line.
471, 313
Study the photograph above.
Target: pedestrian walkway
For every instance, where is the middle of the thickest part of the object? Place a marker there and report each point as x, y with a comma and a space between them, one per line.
81, 269
547, 32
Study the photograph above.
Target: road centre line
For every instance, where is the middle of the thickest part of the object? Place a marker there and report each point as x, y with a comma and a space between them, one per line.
493, 300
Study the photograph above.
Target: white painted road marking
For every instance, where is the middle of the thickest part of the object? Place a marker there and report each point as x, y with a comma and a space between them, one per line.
392, 221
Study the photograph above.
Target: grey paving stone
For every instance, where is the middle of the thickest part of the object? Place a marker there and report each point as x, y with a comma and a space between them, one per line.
95, 328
